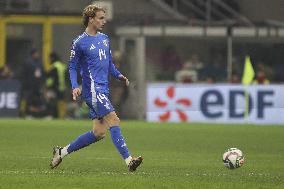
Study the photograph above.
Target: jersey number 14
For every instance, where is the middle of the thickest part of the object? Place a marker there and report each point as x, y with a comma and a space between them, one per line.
102, 54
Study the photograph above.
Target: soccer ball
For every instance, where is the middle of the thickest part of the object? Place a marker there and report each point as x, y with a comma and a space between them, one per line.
233, 158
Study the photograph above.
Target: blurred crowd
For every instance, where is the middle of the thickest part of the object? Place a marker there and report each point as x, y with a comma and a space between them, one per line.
47, 94
194, 70
41, 91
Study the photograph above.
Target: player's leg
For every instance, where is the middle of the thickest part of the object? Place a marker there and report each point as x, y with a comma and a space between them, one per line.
98, 133
113, 122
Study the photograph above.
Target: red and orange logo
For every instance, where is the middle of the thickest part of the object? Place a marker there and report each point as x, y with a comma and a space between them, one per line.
184, 102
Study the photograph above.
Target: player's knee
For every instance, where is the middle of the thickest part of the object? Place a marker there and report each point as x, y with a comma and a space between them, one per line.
112, 119
99, 133
115, 121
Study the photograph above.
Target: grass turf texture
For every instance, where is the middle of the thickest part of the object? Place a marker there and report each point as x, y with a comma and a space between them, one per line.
176, 156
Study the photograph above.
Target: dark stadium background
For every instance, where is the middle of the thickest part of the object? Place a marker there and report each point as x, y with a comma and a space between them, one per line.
174, 52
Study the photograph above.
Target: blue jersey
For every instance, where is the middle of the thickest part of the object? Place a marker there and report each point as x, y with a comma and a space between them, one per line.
91, 55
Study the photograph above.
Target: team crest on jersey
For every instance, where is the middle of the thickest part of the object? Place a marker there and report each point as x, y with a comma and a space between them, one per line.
92, 47
105, 42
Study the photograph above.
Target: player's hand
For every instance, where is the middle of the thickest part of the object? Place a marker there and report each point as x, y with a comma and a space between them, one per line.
123, 78
76, 92
126, 81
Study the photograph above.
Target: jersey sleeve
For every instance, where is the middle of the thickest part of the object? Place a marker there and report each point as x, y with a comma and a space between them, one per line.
113, 70
74, 64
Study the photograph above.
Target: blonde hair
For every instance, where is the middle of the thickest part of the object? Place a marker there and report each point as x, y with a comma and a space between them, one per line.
90, 11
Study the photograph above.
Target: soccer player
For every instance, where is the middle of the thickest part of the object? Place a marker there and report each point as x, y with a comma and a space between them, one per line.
91, 55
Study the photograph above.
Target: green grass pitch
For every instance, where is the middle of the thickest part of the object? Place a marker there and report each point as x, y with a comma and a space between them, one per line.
175, 156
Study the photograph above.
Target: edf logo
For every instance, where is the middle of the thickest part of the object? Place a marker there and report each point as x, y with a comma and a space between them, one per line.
212, 99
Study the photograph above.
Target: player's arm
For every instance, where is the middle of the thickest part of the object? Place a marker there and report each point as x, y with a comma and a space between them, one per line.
115, 72
73, 65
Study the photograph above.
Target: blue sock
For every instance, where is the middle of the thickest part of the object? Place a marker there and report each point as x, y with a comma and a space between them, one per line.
82, 141
118, 141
